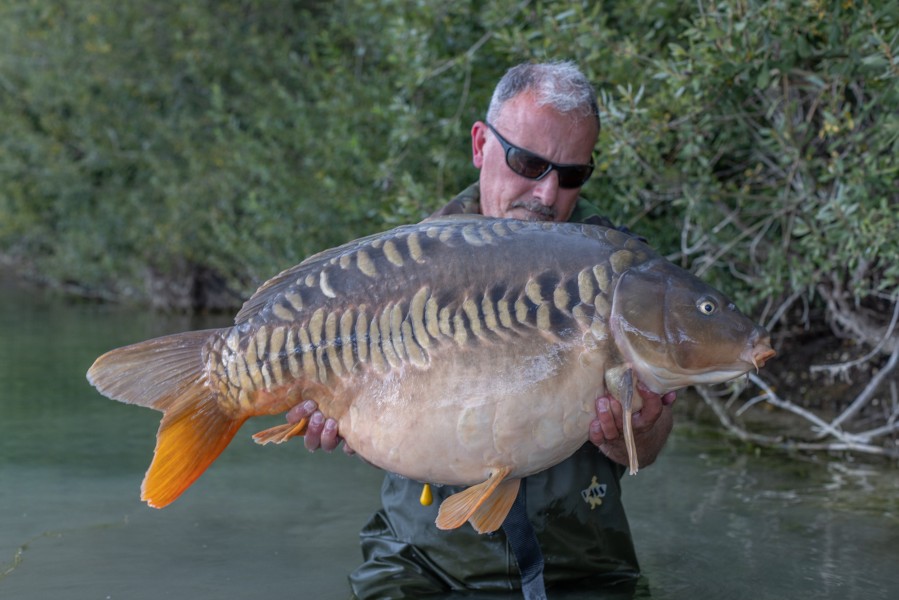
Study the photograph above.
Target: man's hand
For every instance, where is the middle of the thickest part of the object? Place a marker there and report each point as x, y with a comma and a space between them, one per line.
652, 425
320, 432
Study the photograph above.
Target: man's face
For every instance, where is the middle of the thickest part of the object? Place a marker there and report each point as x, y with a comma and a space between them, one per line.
553, 135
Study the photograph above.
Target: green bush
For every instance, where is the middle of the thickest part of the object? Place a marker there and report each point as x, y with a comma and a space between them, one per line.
751, 141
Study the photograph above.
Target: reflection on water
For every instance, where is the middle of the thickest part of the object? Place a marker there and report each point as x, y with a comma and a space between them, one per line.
708, 521
723, 525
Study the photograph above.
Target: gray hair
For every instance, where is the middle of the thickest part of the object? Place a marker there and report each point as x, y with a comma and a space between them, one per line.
560, 85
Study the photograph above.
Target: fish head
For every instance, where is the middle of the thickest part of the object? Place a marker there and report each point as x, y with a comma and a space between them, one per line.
676, 330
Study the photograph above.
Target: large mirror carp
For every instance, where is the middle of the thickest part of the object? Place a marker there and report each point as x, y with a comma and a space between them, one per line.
465, 351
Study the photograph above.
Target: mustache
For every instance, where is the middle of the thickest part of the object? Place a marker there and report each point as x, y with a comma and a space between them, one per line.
547, 212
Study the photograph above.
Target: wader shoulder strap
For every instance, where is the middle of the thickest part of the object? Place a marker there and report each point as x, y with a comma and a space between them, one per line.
523, 541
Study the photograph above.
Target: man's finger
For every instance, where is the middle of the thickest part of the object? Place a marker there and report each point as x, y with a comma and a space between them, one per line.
605, 414
312, 439
301, 411
329, 437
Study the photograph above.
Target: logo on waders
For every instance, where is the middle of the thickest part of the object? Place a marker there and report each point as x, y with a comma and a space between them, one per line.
594, 493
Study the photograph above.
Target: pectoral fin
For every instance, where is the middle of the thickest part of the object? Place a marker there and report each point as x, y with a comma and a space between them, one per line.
627, 401
621, 382
460, 507
281, 433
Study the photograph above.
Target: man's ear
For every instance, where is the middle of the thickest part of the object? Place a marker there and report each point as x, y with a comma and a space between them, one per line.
478, 139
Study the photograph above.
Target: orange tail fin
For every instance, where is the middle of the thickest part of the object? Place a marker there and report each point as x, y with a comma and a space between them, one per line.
168, 374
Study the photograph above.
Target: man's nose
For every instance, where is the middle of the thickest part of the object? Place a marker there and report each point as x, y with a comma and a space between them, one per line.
547, 189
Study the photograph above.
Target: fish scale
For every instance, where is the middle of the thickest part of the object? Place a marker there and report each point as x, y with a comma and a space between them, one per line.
465, 351
407, 339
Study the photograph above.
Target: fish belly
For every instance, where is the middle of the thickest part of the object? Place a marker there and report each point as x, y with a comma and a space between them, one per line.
470, 412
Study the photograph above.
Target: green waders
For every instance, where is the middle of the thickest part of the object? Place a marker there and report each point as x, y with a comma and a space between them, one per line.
575, 508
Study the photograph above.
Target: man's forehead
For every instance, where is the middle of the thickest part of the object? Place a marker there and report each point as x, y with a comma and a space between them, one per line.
526, 105
525, 109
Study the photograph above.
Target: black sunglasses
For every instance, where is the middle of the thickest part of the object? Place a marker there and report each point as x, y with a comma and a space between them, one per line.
533, 166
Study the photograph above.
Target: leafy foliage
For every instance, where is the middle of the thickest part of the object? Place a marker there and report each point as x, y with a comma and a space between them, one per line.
144, 143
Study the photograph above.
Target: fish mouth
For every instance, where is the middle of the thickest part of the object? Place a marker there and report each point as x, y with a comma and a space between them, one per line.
661, 379
759, 353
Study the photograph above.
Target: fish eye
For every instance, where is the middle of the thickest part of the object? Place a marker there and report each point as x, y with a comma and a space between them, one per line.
707, 306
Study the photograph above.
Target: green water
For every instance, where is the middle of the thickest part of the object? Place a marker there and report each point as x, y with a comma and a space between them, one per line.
709, 520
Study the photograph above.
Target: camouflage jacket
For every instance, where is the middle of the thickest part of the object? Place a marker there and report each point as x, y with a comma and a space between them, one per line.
469, 202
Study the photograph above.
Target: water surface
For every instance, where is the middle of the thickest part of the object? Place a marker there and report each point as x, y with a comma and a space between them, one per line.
710, 520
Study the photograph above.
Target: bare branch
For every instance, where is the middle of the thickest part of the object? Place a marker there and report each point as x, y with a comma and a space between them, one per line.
844, 447
863, 398
772, 398
846, 442
861, 328
842, 367
728, 423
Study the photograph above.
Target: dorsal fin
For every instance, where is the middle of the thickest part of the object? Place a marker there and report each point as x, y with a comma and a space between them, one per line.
286, 278
312, 265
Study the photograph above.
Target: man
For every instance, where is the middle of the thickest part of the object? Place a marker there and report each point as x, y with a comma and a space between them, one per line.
534, 152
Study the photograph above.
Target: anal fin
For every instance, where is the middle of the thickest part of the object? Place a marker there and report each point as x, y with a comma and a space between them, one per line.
458, 508
281, 433
491, 514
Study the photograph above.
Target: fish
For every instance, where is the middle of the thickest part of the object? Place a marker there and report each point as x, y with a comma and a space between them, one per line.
462, 350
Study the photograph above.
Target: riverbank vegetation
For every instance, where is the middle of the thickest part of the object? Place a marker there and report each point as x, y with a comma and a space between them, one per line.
178, 154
